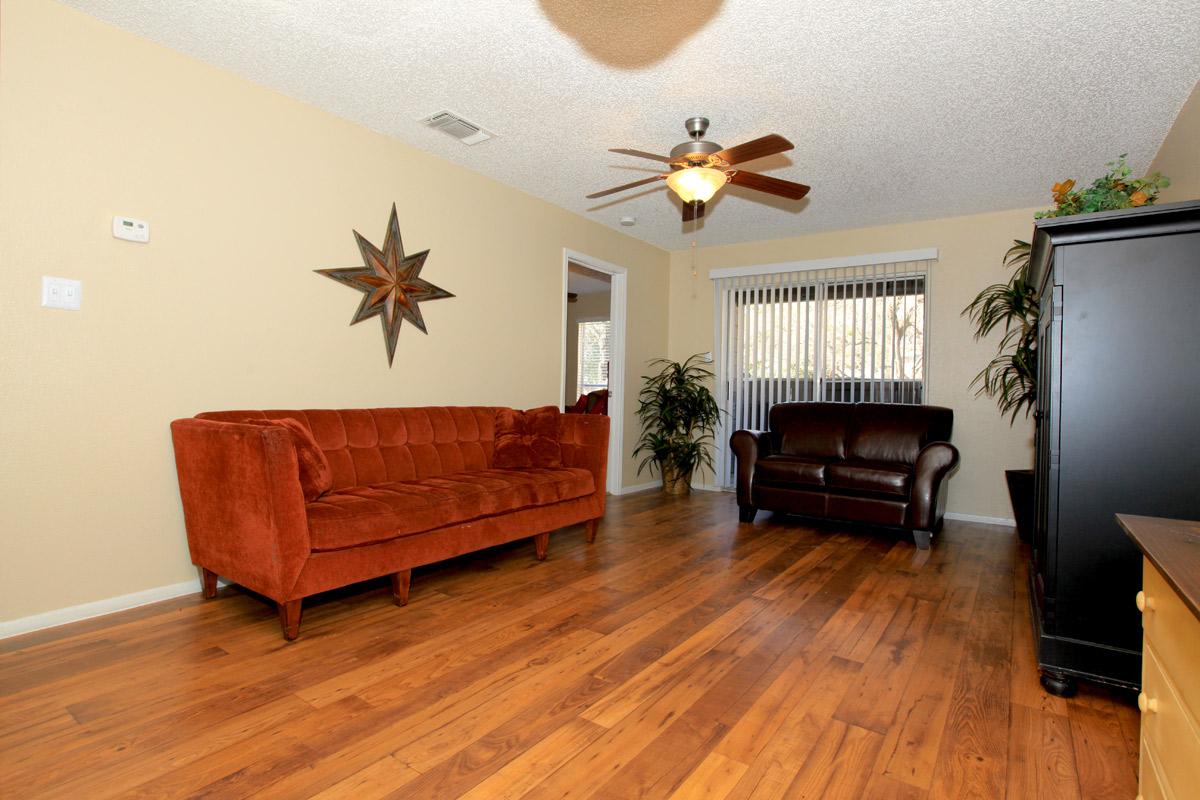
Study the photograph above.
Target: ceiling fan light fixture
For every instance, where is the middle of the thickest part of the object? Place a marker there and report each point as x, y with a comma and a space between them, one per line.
696, 184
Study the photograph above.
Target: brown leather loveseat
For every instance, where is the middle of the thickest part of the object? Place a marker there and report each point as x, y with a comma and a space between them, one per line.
876, 463
292, 503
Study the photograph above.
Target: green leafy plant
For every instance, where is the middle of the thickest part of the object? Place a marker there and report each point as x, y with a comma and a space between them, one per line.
1116, 189
678, 415
1011, 376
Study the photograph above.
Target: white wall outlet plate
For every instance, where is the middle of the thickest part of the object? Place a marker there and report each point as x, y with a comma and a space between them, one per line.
134, 230
61, 293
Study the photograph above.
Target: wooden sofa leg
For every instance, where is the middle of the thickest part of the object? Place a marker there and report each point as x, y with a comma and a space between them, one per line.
540, 543
208, 582
592, 525
922, 538
289, 618
746, 513
400, 583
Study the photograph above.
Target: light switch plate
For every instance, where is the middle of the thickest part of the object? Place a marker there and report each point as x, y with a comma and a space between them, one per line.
61, 293
134, 230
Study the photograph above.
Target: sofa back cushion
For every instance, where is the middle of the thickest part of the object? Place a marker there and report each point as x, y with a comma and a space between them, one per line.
527, 438
316, 477
379, 445
811, 430
896, 433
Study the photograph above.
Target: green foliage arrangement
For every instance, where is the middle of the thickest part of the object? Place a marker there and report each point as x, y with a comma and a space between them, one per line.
1112, 191
1011, 376
678, 415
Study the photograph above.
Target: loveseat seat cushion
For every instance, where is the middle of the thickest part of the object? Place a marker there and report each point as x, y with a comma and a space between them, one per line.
878, 477
362, 515
781, 469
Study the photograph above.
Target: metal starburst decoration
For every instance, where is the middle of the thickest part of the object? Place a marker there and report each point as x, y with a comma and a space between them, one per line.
391, 284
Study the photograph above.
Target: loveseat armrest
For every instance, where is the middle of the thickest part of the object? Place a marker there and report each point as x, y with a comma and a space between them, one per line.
934, 462
583, 442
749, 447
242, 503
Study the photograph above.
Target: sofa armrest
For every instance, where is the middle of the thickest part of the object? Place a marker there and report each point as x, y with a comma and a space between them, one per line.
242, 503
934, 462
583, 440
748, 446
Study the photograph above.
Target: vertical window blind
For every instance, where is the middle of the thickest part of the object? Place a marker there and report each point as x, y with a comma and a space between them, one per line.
842, 334
593, 355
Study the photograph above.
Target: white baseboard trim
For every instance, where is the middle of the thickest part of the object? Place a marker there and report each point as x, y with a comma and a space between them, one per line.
977, 518
97, 608
641, 487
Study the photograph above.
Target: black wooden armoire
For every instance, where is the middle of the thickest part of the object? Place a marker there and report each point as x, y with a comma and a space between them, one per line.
1118, 424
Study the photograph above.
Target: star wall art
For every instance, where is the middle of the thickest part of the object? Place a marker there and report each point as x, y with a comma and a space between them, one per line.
391, 284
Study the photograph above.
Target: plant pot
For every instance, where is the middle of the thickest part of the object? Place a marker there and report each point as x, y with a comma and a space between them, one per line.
1021, 494
675, 482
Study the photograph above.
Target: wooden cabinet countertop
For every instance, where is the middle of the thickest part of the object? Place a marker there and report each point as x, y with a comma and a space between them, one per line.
1173, 547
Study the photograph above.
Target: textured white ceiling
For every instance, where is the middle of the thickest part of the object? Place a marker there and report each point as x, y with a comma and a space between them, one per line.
899, 110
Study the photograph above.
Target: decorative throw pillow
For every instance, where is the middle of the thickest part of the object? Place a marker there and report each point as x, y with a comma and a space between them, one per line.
527, 438
316, 477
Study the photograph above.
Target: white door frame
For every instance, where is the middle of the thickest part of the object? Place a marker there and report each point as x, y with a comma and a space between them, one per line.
616, 370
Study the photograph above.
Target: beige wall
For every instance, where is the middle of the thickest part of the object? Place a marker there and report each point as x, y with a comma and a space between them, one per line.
970, 253
247, 192
1179, 156
588, 306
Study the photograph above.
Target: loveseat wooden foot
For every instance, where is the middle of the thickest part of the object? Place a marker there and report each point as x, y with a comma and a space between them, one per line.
592, 524
922, 539
540, 543
289, 618
400, 583
208, 582
746, 513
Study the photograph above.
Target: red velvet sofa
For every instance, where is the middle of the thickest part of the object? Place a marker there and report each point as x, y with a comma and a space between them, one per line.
406, 487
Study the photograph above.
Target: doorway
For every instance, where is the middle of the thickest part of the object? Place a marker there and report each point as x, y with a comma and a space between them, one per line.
593, 354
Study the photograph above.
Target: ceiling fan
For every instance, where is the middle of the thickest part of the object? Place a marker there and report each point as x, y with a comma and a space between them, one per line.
699, 168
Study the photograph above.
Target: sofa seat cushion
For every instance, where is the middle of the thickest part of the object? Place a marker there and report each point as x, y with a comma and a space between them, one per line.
878, 477
781, 469
366, 514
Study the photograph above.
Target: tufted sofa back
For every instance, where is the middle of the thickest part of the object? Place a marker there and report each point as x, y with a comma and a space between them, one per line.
378, 445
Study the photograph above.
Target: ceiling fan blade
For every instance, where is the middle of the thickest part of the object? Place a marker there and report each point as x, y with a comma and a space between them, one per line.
765, 183
768, 145
693, 210
639, 154
622, 188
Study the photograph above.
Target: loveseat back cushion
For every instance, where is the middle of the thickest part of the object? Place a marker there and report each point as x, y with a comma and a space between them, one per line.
810, 430
376, 445
896, 433
527, 438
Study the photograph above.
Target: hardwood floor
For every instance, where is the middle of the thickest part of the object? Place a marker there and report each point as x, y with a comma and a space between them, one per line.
680, 656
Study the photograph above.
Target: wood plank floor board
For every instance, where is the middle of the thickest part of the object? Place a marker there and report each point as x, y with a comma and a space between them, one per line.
682, 655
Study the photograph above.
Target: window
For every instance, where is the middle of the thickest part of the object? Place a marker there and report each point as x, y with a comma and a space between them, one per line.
593, 355
846, 334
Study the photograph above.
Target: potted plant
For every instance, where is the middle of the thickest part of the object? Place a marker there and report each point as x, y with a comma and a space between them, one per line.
1011, 376
678, 415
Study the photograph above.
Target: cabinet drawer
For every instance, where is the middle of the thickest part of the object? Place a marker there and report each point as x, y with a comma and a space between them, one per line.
1168, 729
1174, 633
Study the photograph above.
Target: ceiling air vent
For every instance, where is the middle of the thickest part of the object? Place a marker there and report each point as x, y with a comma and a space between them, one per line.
451, 123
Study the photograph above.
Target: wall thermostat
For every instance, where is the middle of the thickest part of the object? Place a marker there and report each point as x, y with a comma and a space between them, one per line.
134, 230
